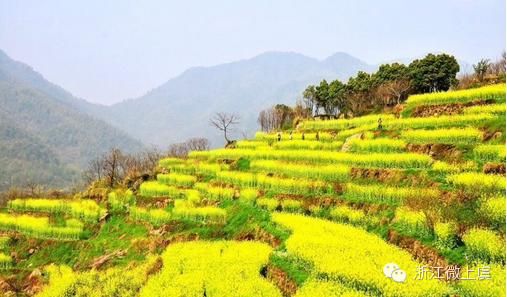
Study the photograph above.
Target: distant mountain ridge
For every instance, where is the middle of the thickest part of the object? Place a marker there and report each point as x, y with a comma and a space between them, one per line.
46, 134
179, 108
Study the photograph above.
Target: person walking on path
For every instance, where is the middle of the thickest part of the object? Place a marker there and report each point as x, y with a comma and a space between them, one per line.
290, 135
379, 124
302, 135
279, 136
317, 135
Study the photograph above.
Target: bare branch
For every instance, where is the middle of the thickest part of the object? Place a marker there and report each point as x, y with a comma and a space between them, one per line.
226, 122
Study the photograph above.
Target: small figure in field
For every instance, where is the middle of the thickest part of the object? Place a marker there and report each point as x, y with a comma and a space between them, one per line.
302, 135
317, 135
279, 136
379, 124
290, 135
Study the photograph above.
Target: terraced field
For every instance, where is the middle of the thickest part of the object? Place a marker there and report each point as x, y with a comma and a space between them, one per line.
292, 217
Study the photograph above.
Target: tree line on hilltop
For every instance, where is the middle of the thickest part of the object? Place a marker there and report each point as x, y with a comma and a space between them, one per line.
390, 85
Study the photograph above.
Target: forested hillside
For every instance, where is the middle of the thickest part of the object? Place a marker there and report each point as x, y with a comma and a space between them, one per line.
44, 137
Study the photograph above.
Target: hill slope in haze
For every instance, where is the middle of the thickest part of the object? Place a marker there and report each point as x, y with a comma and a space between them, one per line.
45, 135
180, 108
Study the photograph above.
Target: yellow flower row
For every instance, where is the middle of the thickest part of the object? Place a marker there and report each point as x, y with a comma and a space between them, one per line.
496, 92
39, 227
353, 256
398, 160
315, 287
379, 145
332, 173
177, 179
281, 185
384, 194
412, 222
342, 124
219, 268
113, 282
490, 152
153, 216
484, 246
214, 193
86, 209
490, 108
117, 199
477, 181
449, 136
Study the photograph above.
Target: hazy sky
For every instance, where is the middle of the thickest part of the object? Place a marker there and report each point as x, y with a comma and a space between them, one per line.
108, 51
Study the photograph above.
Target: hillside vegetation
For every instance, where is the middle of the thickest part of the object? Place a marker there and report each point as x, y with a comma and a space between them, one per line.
45, 136
288, 217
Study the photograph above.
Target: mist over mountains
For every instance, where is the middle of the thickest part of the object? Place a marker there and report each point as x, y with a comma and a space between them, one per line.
180, 108
47, 135
49, 126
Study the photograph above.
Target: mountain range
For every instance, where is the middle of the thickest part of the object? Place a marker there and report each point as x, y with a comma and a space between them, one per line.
46, 134
180, 108
65, 132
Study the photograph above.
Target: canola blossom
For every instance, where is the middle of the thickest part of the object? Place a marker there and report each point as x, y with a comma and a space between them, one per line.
86, 209
352, 256
214, 193
445, 234
481, 109
347, 215
177, 179
495, 286
153, 216
378, 145
116, 281
332, 173
342, 124
411, 222
494, 209
396, 160
443, 121
382, 194
40, 227
484, 246
327, 288
5, 261
446, 136
490, 152
219, 268
478, 181
119, 198
495, 92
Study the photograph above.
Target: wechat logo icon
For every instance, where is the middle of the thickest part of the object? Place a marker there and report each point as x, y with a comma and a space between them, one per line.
393, 271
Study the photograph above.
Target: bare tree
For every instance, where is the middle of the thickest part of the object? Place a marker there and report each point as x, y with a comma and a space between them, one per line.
35, 189
198, 144
151, 155
226, 122
181, 150
94, 171
498, 66
398, 89
113, 166
465, 78
262, 120
268, 119
178, 150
